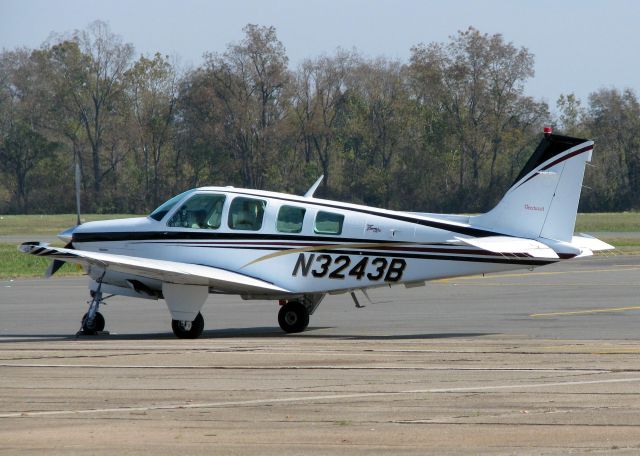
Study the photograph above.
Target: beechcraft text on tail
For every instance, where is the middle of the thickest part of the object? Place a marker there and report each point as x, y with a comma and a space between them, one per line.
295, 250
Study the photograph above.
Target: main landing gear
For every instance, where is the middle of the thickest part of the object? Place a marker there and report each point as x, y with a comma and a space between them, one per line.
293, 316
188, 329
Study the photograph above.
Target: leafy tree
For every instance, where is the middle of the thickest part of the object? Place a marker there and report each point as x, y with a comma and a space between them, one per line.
446, 131
478, 82
22, 146
250, 79
613, 121
152, 96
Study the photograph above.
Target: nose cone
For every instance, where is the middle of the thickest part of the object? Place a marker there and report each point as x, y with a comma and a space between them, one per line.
67, 234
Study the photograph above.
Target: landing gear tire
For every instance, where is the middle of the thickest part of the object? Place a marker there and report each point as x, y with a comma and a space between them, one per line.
188, 329
96, 326
293, 317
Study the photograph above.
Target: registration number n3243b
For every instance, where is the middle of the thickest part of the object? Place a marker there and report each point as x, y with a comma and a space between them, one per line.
340, 267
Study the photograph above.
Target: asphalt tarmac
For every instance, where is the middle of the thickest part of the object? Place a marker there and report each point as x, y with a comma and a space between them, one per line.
542, 362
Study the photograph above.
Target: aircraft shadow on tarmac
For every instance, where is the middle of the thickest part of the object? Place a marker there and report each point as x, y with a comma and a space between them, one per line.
266, 331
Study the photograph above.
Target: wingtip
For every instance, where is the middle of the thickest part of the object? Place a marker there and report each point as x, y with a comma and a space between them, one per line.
28, 247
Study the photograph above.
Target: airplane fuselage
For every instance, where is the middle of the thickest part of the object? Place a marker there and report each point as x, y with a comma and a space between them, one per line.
358, 247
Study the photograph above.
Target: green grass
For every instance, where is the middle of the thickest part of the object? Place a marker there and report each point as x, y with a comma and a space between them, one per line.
608, 221
15, 264
47, 225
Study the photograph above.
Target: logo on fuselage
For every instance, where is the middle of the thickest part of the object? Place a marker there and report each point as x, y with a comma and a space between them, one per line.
529, 207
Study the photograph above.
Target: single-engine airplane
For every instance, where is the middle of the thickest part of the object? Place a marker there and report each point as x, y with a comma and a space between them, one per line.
297, 249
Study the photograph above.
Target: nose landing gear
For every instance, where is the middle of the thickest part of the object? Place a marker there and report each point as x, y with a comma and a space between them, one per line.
92, 327
93, 321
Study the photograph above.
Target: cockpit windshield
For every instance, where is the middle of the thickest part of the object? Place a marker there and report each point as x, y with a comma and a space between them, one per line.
165, 207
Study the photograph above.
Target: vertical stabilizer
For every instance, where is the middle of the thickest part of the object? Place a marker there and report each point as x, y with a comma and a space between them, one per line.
543, 200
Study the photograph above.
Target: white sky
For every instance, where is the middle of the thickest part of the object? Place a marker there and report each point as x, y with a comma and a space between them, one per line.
579, 45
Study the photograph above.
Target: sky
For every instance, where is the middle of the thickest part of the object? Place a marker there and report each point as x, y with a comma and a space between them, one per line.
579, 46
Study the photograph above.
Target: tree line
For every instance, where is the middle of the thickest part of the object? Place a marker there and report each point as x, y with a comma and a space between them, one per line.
446, 131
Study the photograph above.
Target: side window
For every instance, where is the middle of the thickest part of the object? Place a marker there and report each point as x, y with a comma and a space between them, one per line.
201, 211
290, 219
246, 214
328, 223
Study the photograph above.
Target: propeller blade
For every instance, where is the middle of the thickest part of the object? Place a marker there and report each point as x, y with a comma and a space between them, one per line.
53, 268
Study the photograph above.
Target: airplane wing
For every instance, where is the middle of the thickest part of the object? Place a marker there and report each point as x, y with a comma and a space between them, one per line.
163, 270
511, 245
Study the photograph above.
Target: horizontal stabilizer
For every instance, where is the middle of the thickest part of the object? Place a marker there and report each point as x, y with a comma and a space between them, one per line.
511, 245
584, 241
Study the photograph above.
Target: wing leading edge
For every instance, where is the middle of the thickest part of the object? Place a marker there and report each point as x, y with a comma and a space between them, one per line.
163, 270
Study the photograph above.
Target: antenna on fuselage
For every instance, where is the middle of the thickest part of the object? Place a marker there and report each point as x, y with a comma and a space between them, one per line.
313, 188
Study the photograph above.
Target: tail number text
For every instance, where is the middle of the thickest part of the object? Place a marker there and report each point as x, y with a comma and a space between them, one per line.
377, 268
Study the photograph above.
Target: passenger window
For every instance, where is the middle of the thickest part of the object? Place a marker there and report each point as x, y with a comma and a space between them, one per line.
290, 219
246, 214
328, 223
201, 211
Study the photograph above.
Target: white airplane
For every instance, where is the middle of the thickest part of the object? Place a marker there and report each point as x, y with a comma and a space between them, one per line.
297, 249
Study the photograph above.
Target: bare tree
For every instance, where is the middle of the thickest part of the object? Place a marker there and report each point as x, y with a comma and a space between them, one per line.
152, 96
90, 70
319, 90
250, 80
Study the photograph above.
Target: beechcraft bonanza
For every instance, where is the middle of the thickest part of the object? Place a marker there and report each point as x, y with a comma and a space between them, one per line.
297, 249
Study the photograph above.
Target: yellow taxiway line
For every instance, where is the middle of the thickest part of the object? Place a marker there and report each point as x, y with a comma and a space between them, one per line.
491, 275
585, 312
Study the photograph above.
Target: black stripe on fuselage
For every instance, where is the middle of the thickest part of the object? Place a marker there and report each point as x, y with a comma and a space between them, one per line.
449, 254
202, 235
121, 236
354, 249
420, 256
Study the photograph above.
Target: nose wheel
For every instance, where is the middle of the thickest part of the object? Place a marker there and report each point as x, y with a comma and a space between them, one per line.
91, 327
293, 317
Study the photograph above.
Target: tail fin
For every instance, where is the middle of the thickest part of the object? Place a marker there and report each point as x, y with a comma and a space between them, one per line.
543, 200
